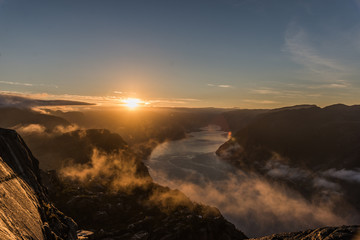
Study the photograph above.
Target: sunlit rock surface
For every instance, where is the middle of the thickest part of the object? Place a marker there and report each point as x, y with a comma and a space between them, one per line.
19, 216
25, 212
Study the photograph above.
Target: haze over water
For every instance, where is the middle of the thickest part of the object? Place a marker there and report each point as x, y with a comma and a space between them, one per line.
253, 204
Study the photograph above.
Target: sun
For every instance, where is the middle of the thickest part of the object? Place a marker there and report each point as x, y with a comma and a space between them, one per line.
131, 103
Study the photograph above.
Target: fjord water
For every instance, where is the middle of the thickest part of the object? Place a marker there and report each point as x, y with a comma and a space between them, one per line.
191, 160
256, 206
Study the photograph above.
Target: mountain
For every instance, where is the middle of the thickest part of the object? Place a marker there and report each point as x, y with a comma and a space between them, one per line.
105, 203
24, 117
26, 212
326, 233
313, 150
313, 137
148, 211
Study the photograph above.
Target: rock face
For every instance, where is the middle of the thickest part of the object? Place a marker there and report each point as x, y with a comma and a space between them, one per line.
26, 212
327, 233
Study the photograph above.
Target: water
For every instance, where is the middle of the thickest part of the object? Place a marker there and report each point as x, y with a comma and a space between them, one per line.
192, 159
254, 205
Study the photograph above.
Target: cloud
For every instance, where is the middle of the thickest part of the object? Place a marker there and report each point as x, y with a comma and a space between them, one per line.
118, 171
26, 84
266, 91
260, 101
298, 46
17, 83
67, 102
324, 183
30, 129
220, 85
255, 205
22, 101
278, 170
173, 101
38, 129
60, 129
347, 175
334, 85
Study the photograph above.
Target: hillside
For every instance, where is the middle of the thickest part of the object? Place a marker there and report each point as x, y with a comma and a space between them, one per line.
313, 150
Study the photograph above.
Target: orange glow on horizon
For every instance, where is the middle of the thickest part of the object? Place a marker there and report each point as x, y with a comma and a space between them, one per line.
132, 103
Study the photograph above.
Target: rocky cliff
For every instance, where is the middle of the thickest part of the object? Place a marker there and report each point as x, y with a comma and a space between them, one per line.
326, 233
26, 212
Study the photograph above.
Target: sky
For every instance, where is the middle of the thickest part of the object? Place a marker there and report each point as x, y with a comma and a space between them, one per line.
192, 53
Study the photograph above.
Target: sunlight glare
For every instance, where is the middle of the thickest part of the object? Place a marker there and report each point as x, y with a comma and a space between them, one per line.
131, 103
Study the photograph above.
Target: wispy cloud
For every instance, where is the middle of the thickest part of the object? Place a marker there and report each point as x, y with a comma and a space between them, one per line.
219, 85
344, 174
18, 100
335, 85
16, 83
297, 44
279, 93
124, 93
265, 91
260, 101
172, 101
9, 98
26, 84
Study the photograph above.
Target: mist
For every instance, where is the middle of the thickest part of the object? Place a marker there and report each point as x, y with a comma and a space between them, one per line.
254, 203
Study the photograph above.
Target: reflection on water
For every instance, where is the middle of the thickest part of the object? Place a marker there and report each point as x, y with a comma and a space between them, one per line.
192, 159
254, 205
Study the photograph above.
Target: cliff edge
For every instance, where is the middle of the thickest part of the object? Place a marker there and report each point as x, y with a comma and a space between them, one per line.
25, 211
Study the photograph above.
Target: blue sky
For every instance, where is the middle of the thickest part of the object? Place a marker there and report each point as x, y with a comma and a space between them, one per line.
199, 53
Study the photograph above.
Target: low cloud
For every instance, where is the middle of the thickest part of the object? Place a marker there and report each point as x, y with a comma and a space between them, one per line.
320, 182
344, 174
30, 129
60, 129
42, 131
118, 171
122, 172
257, 206
278, 170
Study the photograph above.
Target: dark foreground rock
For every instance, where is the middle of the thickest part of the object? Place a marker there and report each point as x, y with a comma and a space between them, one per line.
149, 211
326, 233
26, 212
